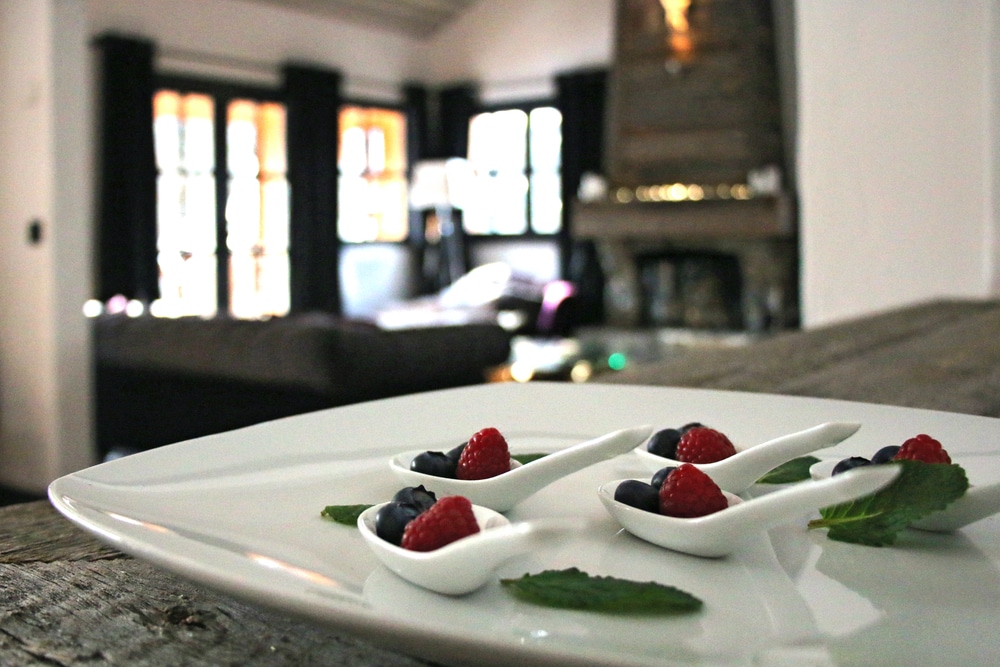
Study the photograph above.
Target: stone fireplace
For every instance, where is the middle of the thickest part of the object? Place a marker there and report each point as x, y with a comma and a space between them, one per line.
697, 227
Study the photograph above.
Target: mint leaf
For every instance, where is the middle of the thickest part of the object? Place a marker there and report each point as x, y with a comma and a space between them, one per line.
877, 519
574, 589
526, 458
796, 470
345, 514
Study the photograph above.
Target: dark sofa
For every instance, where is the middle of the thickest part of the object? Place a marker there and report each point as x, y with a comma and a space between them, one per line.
164, 380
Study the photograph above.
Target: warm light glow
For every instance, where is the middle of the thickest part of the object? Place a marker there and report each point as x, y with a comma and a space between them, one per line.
677, 192
92, 308
623, 195
521, 371
581, 371
676, 12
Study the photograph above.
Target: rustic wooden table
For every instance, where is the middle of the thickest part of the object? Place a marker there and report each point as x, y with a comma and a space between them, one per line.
68, 600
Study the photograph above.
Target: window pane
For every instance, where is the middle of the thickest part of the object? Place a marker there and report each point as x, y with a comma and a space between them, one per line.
197, 225
197, 134
184, 145
546, 203
545, 139
187, 285
256, 205
243, 228
500, 208
274, 207
259, 284
498, 141
372, 202
511, 150
255, 153
353, 151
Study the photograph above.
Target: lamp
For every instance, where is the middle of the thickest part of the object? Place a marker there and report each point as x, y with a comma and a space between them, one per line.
444, 186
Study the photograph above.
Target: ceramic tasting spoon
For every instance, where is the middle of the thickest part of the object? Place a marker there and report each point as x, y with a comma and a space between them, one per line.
738, 473
979, 502
466, 564
720, 533
503, 492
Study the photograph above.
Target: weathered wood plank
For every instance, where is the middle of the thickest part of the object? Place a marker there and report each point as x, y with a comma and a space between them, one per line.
69, 600
52, 538
941, 355
129, 613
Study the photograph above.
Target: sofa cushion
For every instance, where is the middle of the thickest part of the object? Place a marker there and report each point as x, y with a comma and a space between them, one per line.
345, 359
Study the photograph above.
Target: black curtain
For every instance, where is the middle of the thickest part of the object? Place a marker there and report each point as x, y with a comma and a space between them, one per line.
126, 243
456, 106
580, 99
312, 98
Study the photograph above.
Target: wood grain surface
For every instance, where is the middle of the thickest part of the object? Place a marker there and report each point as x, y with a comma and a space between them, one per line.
69, 600
943, 355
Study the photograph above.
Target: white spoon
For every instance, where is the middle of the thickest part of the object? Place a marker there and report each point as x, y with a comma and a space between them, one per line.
466, 564
740, 471
504, 491
720, 533
979, 502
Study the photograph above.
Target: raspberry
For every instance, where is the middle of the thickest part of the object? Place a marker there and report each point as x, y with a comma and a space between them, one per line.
922, 448
688, 492
447, 520
485, 456
704, 445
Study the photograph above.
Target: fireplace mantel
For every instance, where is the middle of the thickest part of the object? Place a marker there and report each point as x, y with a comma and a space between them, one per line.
755, 218
759, 232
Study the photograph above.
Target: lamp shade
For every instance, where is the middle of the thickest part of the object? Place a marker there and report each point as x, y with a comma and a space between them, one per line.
441, 183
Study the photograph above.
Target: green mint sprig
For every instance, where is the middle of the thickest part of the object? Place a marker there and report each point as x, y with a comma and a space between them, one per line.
345, 514
526, 458
796, 470
877, 519
574, 589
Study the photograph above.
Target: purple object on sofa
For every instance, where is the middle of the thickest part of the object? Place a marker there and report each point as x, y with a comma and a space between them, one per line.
164, 380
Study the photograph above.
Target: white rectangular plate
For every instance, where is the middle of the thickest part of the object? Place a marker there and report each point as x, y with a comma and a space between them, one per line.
240, 512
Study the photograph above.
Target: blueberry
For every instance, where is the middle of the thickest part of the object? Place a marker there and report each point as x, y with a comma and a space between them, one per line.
690, 425
885, 454
434, 463
455, 453
848, 464
638, 494
660, 476
664, 443
417, 496
391, 520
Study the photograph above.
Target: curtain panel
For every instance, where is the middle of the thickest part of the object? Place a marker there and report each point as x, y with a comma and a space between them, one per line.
580, 99
313, 98
126, 230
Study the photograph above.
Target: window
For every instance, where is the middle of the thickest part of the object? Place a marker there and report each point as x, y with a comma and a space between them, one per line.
232, 257
516, 157
372, 197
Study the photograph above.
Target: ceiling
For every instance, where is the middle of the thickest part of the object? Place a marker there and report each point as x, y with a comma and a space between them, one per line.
414, 18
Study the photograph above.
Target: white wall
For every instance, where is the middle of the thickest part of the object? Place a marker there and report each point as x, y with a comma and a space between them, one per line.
249, 41
45, 426
897, 166
513, 47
